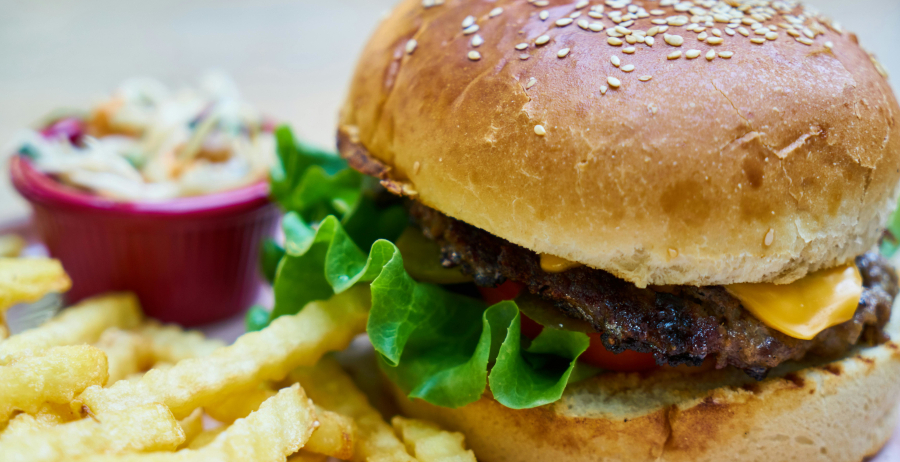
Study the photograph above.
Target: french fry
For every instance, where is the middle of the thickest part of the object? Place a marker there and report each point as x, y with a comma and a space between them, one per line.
11, 245
143, 428
335, 436
26, 280
22, 424
269, 354
127, 352
82, 323
280, 427
171, 344
53, 376
192, 426
429, 443
304, 456
239, 405
330, 387
205, 437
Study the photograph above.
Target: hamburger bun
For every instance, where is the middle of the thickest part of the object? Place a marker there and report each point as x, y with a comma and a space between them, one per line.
762, 164
843, 410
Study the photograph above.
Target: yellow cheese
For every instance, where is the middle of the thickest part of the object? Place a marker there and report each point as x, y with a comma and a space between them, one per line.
805, 307
554, 264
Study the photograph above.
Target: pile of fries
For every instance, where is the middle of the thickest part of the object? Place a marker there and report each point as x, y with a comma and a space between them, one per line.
99, 382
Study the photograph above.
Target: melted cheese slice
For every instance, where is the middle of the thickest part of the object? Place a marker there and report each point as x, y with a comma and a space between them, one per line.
805, 307
554, 264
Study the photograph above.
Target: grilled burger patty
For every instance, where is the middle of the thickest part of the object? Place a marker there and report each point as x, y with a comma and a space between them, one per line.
679, 324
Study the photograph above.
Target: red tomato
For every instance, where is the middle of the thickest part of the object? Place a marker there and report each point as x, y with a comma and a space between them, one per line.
626, 361
596, 355
509, 290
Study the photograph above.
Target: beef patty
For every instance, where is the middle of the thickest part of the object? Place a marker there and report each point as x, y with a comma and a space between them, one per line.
677, 324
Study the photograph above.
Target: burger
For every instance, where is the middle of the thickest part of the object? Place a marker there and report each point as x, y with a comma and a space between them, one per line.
641, 230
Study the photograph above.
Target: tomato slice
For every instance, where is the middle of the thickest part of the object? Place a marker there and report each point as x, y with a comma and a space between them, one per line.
627, 361
509, 290
596, 355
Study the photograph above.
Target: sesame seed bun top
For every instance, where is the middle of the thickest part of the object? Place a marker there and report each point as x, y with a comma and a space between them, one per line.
688, 143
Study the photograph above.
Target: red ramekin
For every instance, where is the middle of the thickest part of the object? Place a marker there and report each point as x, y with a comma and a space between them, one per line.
190, 260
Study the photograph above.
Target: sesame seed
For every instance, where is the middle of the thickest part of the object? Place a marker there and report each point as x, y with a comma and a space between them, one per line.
631, 39
691, 54
677, 20
627, 68
793, 33
673, 253
674, 55
468, 22
583, 23
829, 45
717, 32
743, 31
539, 130
710, 55
729, 31
674, 40
658, 21
524, 56
474, 55
726, 54
562, 53
471, 29
702, 36
564, 22
477, 41
542, 40
495, 12
614, 41
521, 46
622, 30
596, 26
758, 40
772, 36
657, 12
805, 41
649, 41
663, 29
581, 4
544, 15
629, 50
595, 14
541, 3
411, 46
603, 89
615, 60
715, 40
645, 78
416, 167
770, 237
530, 83
613, 82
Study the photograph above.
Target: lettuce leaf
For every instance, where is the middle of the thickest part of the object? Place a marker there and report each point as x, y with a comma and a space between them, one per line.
436, 345
891, 241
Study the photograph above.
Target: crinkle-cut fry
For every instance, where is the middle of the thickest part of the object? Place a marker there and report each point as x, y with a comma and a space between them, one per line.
280, 427
170, 343
79, 324
143, 428
205, 437
56, 375
330, 387
26, 280
428, 442
335, 435
46, 417
239, 405
269, 354
192, 426
128, 353
306, 456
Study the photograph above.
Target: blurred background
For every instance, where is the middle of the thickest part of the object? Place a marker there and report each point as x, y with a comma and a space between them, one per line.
290, 58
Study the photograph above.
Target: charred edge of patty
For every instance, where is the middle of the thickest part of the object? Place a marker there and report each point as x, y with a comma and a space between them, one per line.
678, 325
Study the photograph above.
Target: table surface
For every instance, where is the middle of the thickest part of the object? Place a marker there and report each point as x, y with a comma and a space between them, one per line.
290, 58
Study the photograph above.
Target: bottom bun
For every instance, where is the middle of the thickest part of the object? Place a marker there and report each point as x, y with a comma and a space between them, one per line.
843, 410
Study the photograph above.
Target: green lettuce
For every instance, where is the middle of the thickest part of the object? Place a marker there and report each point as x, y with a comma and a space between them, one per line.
436, 345
891, 241
439, 346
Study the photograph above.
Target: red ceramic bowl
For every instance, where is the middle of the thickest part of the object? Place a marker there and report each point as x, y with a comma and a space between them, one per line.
190, 260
